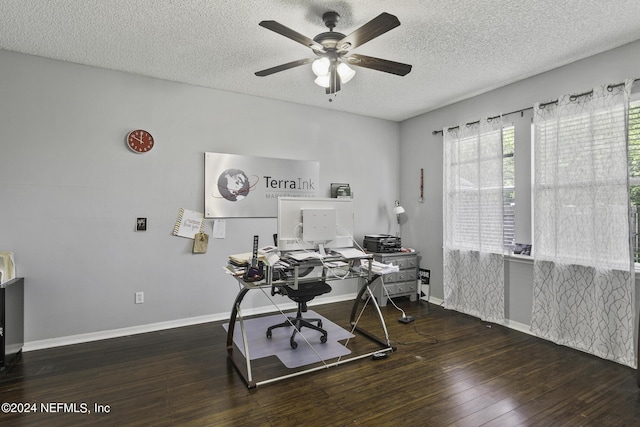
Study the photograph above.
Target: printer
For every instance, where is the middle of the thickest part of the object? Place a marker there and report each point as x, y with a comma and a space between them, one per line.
381, 243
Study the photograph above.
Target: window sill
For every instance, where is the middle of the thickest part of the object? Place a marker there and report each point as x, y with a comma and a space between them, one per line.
524, 259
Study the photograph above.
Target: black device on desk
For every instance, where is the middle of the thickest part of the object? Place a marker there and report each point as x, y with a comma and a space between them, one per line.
255, 271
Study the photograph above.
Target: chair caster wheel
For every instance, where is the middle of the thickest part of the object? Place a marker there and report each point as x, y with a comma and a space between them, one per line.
269, 334
323, 339
319, 323
294, 344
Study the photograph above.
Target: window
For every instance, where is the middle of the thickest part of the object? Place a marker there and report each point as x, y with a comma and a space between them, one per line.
508, 185
474, 156
634, 175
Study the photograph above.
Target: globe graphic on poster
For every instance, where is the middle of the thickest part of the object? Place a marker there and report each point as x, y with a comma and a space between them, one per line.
234, 185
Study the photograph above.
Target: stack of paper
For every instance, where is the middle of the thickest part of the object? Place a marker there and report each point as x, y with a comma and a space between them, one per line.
350, 253
234, 270
268, 255
380, 268
245, 258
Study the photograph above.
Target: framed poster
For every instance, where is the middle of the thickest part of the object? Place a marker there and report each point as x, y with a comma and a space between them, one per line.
248, 186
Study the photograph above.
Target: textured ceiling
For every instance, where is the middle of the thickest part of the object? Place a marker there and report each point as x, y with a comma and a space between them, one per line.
458, 48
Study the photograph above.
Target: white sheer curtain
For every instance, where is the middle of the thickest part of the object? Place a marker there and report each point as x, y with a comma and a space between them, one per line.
583, 290
473, 218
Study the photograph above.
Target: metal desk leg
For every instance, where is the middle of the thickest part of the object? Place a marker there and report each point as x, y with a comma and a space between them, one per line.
244, 371
354, 311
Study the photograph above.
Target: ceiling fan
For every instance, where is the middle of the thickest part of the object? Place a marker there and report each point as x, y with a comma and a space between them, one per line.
334, 51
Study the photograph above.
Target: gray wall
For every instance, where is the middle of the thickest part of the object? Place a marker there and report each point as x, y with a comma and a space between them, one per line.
71, 191
421, 149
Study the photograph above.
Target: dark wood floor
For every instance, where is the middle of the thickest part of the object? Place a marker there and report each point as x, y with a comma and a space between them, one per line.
449, 369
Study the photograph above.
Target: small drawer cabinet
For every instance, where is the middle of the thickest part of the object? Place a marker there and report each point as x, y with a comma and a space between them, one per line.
401, 283
11, 322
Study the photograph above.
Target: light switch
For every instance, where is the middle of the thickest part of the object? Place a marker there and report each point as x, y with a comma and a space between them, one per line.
141, 224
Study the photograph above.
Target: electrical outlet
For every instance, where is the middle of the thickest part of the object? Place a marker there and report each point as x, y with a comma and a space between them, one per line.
139, 297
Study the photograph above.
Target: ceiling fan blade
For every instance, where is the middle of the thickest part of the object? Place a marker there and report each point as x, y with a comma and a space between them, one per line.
283, 67
293, 35
372, 29
378, 64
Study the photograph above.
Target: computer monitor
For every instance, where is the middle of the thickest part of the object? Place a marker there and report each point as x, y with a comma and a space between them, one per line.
314, 223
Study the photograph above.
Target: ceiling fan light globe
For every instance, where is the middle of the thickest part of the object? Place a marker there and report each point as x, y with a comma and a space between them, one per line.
346, 72
320, 67
322, 81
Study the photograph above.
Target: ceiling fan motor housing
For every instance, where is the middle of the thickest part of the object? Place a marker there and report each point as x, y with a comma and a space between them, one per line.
330, 19
328, 40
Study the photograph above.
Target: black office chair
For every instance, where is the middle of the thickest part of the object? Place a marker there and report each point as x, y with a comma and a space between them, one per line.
306, 292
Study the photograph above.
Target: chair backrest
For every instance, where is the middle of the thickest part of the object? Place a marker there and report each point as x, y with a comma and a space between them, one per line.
307, 290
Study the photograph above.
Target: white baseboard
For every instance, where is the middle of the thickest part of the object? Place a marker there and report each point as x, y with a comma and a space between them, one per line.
122, 332
141, 329
517, 326
511, 324
436, 301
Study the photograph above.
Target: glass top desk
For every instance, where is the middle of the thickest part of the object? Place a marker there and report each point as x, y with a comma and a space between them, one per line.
350, 268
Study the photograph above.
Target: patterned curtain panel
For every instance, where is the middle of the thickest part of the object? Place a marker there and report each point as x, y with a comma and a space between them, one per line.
583, 290
473, 218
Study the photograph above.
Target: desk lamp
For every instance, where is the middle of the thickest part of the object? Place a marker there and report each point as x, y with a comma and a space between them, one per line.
398, 210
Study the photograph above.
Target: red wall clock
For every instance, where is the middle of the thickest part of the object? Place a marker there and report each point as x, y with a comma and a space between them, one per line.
139, 141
